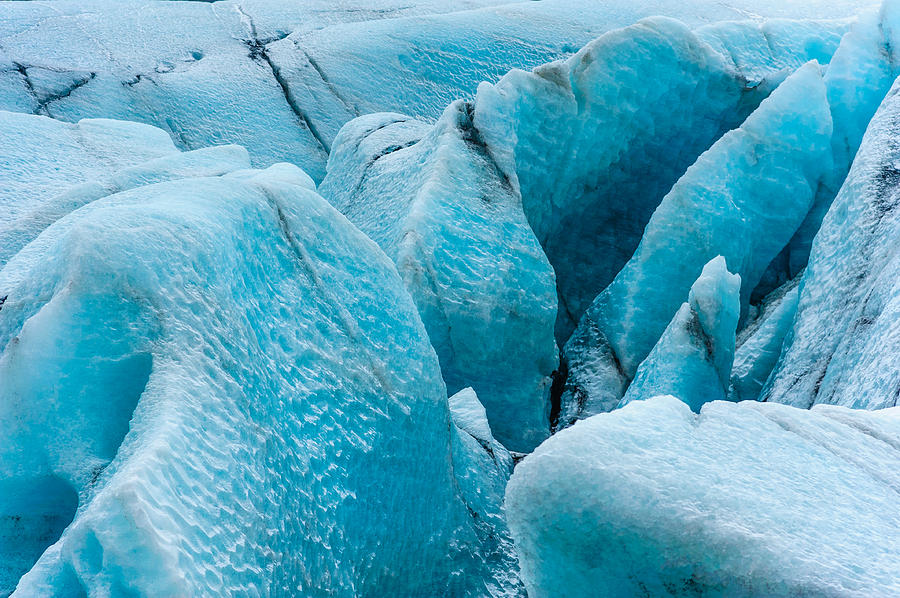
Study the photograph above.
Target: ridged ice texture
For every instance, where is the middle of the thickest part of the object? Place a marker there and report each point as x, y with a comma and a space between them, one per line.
593, 143
693, 357
41, 157
28, 223
743, 500
232, 384
743, 199
845, 339
759, 343
433, 199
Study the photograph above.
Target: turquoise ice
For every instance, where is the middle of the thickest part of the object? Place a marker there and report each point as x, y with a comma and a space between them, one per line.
692, 359
219, 385
743, 199
842, 346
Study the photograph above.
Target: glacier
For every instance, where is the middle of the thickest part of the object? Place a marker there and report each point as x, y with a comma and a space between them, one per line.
743, 199
759, 344
590, 177
694, 355
742, 499
841, 346
478, 298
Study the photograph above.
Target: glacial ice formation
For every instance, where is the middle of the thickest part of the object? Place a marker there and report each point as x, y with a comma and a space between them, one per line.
214, 73
231, 384
693, 357
743, 199
843, 345
26, 224
216, 379
595, 142
432, 198
482, 467
858, 77
740, 500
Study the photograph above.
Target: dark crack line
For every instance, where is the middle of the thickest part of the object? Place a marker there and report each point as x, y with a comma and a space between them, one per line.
43, 105
292, 102
334, 90
259, 53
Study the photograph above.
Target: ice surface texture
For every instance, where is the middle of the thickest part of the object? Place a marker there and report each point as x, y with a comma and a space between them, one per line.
433, 199
743, 199
748, 499
844, 342
232, 385
760, 342
214, 73
41, 157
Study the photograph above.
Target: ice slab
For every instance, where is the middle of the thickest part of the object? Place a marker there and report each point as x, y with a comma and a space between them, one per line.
694, 355
743, 499
233, 386
844, 340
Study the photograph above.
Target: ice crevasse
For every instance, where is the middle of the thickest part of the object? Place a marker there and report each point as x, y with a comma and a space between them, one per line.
222, 380
743, 199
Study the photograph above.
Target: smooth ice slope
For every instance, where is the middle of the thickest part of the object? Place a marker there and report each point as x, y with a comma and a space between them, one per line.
693, 357
434, 201
743, 500
232, 384
743, 199
844, 343
595, 142
759, 343
41, 157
